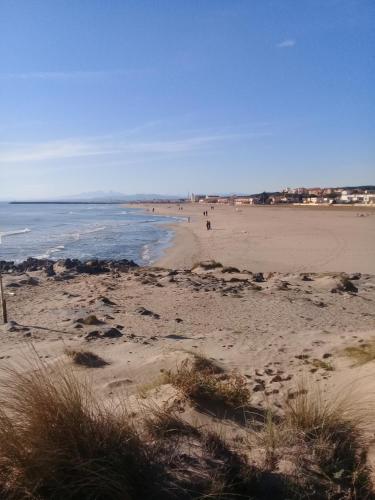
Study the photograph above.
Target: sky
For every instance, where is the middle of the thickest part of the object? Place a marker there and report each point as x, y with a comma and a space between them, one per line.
176, 96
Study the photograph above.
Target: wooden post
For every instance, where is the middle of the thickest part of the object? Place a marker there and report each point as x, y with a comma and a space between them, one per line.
3, 302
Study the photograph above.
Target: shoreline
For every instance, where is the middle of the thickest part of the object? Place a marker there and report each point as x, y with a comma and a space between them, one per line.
272, 238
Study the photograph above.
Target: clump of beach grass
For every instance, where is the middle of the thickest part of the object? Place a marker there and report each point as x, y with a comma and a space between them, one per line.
362, 353
230, 269
207, 265
323, 365
323, 441
57, 442
200, 381
85, 358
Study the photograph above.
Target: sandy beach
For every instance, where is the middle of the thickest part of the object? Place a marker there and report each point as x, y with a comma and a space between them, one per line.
282, 239
292, 300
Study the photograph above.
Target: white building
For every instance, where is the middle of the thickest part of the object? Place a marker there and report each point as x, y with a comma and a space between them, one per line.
245, 200
195, 198
364, 198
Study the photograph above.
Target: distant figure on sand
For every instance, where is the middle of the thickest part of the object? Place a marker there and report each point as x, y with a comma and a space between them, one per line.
153, 209
208, 225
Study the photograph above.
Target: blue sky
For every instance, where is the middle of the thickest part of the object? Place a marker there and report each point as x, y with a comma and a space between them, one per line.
185, 96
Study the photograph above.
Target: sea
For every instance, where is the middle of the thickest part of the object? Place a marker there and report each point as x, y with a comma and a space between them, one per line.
82, 231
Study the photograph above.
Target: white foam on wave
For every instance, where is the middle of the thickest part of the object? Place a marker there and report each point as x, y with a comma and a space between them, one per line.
14, 233
78, 235
51, 251
151, 252
94, 230
146, 253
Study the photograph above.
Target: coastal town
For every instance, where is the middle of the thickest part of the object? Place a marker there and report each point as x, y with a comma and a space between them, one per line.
362, 195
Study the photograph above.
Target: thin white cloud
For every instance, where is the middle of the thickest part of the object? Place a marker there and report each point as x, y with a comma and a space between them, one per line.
68, 75
286, 44
11, 153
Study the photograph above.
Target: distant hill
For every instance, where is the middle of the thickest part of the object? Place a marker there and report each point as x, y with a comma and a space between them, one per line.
111, 196
367, 188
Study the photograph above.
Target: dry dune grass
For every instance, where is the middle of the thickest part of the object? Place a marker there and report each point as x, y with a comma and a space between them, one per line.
362, 353
201, 380
207, 265
57, 441
323, 443
85, 358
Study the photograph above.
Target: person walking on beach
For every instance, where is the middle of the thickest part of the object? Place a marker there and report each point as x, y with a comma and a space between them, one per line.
208, 225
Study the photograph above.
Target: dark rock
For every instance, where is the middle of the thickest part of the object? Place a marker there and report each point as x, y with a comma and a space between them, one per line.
106, 301
283, 285
7, 266
305, 277
50, 271
355, 276
258, 278
345, 285
320, 304
348, 286
95, 334
90, 267
111, 333
146, 312
258, 388
260, 381
327, 355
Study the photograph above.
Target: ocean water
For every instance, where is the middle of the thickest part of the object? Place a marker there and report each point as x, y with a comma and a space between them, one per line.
82, 232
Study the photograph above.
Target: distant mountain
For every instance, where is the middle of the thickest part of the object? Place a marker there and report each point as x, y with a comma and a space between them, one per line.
98, 195
116, 196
